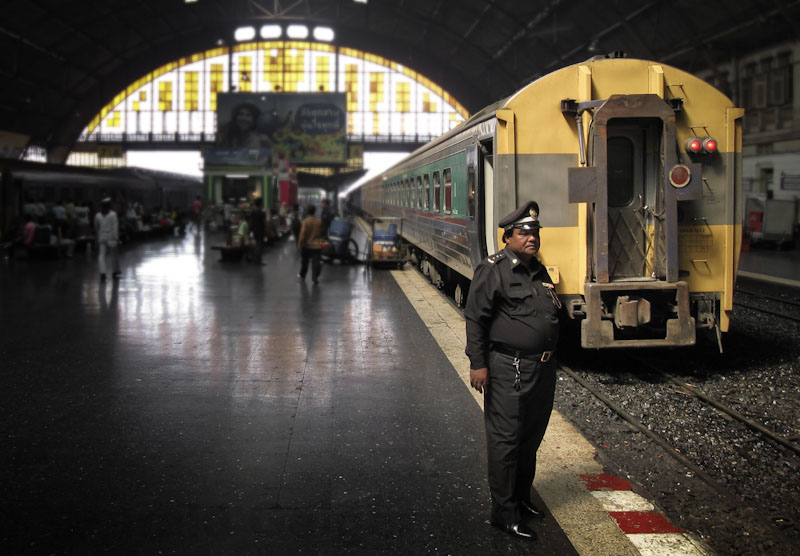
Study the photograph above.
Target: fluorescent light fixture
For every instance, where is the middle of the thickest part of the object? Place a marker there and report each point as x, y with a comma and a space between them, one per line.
360, 1
297, 31
237, 176
244, 34
271, 31
323, 34
189, 1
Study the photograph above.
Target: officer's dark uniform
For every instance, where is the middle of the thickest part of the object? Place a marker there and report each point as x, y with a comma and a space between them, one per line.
512, 329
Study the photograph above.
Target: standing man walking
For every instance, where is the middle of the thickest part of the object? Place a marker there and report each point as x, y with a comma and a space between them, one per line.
309, 243
258, 227
106, 229
197, 214
512, 319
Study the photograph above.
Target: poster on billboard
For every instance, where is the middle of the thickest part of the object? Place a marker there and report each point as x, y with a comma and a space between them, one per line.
306, 128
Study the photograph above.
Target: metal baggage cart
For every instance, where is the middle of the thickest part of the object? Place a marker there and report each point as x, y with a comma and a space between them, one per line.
386, 247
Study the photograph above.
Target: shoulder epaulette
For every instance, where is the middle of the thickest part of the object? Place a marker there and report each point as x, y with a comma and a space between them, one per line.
491, 259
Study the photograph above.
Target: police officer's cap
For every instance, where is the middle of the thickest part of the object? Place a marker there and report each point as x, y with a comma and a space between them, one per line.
525, 217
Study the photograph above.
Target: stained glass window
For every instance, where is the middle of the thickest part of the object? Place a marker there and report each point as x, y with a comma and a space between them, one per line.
177, 102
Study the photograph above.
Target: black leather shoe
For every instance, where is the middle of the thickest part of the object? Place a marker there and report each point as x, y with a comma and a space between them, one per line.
517, 530
530, 510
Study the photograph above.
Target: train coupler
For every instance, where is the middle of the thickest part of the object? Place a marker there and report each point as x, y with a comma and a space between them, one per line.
637, 314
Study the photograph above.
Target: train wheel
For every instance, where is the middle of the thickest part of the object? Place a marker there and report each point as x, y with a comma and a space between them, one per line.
458, 295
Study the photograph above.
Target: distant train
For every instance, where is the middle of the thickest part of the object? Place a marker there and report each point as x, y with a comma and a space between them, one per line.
22, 183
637, 168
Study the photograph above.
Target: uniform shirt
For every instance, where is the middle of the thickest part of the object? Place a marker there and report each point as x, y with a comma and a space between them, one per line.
510, 305
106, 227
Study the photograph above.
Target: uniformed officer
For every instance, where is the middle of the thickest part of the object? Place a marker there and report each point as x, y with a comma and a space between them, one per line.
512, 317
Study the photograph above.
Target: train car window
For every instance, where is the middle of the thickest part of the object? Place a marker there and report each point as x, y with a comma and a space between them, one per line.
447, 178
620, 172
427, 192
407, 187
419, 192
437, 184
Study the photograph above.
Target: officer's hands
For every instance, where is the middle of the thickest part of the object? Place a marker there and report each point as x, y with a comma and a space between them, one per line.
479, 378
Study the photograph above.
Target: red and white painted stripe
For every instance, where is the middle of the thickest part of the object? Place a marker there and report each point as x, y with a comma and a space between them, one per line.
649, 530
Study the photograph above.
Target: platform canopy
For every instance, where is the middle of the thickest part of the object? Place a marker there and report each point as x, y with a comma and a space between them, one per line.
64, 61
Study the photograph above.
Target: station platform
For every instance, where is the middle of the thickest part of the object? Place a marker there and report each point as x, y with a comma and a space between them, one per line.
771, 265
200, 407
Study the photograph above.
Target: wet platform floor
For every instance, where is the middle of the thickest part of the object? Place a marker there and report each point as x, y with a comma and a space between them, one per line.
199, 407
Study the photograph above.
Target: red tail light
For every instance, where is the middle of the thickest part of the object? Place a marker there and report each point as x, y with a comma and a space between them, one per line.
701, 145
694, 145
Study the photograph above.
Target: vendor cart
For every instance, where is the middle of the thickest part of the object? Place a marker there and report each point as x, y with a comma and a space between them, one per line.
339, 245
386, 247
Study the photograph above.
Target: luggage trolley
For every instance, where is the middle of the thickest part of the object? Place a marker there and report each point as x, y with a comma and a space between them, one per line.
386, 248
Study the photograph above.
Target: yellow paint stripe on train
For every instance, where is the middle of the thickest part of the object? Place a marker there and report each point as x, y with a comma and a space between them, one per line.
541, 128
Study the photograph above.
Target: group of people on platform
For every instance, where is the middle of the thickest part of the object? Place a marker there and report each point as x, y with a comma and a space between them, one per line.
254, 229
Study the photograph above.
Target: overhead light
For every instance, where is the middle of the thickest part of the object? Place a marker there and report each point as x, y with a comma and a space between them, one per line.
323, 34
244, 34
271, 31
297, 31
189, 1
360, 1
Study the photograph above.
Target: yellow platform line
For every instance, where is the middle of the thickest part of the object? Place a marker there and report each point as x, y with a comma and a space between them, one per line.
564, 455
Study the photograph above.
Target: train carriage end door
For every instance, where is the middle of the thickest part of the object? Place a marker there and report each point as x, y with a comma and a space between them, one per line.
633, 161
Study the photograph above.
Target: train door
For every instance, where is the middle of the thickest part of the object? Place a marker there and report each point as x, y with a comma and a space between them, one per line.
632, 164
486, 157
480, 196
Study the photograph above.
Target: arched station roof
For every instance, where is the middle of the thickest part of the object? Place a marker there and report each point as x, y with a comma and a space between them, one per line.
63, 61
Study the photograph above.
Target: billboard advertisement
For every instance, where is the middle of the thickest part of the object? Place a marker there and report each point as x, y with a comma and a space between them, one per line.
306, 128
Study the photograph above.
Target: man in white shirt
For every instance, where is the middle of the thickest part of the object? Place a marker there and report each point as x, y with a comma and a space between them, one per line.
106, 228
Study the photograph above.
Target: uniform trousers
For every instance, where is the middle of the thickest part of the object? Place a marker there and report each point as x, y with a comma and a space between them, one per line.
108, 249
515, 423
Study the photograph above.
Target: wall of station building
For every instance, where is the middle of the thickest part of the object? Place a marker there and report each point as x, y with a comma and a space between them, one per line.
766, 84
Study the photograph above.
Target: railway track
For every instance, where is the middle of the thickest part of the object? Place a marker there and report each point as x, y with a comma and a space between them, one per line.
773, 522
760, 296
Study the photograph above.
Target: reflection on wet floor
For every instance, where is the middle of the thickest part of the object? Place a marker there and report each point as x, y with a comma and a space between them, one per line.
200, 407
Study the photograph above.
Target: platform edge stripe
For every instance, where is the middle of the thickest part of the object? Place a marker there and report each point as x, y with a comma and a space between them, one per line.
767, 278
604, 481
644, 522
670, 544
623, 501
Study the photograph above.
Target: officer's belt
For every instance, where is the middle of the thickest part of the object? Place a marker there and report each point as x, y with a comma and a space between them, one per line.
542, 356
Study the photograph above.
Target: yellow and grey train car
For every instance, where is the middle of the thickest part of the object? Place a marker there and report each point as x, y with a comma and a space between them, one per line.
636, 166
